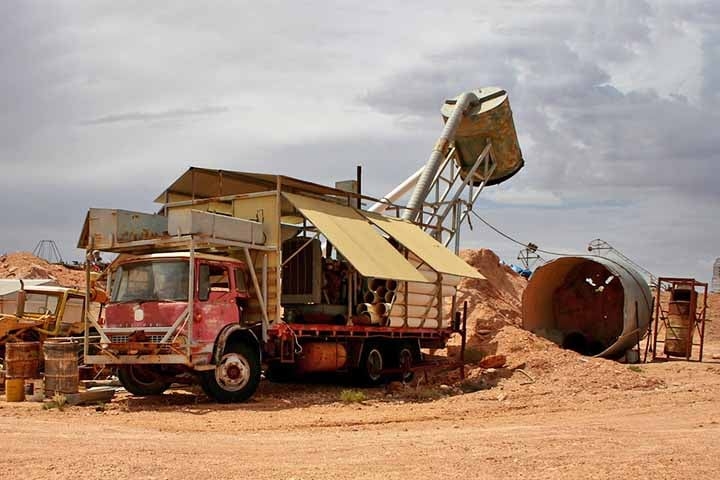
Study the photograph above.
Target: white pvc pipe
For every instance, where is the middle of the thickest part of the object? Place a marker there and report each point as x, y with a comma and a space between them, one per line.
413, 322
397, 192
416, 299
414, 311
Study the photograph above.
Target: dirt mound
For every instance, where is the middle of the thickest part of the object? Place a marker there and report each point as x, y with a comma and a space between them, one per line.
25, 265
541, 365
495, 301
494, 320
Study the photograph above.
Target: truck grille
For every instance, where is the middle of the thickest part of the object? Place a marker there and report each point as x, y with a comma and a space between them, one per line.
124, 338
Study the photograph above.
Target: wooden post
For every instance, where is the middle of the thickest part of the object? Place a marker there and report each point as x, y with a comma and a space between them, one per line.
463, 340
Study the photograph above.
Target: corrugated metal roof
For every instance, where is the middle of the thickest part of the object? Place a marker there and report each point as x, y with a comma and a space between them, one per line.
208, 183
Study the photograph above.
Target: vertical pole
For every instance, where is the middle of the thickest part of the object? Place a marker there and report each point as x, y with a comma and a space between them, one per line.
439, 300
192, 185
258, 292
702, 320
456, 230
86, 307
692, 312
657, 317
463, 340
637, 327
406, 301
264, 278
278, 252
453, 307
191, 299
359, 186
349, 284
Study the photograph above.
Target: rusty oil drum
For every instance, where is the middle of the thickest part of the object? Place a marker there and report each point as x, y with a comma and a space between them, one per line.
22, 360
15, 390
61, 367
679, 332
490, 120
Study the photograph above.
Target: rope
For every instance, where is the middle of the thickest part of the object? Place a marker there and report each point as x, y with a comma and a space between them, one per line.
526, 245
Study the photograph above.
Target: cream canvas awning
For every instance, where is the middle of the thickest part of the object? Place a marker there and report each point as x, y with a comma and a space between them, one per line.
368, 251
423, 245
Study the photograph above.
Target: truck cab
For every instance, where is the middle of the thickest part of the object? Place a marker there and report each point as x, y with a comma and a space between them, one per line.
149, 292
151, 299
44, 311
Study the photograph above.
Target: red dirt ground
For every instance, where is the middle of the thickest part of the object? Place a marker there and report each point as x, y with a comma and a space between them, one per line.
550, 413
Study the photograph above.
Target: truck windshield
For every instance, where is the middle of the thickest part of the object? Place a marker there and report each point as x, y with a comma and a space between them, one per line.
146, 281
40, 303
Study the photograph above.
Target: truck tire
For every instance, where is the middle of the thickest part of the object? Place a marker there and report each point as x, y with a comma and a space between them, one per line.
142, 380
372, 362
405, 360
235, 377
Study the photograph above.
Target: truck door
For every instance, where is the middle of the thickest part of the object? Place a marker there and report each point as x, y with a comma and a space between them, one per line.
216, 301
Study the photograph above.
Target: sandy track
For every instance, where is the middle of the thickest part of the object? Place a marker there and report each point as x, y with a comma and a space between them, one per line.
532, 432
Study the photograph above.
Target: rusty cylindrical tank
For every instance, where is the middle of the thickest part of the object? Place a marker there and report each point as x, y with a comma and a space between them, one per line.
591, 304
15, 389
322, 357
489, 120
680, 318
61, 367
22, 360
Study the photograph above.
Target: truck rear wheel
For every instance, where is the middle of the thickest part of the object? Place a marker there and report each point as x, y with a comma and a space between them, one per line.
405, 360
371, 365
235, 377
142, 380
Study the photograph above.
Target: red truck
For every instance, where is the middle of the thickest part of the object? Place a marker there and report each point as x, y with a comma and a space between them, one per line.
241, 272
292, 279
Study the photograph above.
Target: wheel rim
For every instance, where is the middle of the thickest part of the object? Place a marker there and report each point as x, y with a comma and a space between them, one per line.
374, 364
405, 358
233, 372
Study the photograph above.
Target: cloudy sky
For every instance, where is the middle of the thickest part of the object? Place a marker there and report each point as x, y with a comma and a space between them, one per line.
616, 104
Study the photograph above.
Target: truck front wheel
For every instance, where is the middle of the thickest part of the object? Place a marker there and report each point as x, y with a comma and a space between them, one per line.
142, 380
235, 377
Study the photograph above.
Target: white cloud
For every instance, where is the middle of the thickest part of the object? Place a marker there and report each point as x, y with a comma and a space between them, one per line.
104, 104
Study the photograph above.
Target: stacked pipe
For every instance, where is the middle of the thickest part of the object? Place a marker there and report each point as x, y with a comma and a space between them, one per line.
418, 302
378, 300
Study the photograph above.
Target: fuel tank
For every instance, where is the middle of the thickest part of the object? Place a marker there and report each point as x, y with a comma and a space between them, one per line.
322, 357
